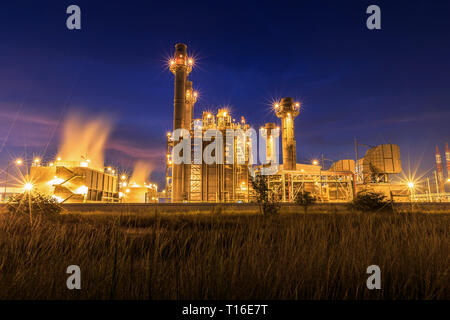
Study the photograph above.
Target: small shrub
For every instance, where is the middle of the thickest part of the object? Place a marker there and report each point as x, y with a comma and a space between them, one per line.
270, 209
305, 199
268, 206
39, 204
218, 209
371, 202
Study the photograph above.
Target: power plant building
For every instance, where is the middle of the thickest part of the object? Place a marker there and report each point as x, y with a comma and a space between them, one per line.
74, 181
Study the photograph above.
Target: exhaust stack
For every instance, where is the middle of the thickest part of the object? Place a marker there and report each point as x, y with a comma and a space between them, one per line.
180, 66
287, 110
447, 157
440, 171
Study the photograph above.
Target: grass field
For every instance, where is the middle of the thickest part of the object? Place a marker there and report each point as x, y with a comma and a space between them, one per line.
182, 256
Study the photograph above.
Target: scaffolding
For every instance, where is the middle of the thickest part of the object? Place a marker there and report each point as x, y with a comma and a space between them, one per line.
222, 181
324, 185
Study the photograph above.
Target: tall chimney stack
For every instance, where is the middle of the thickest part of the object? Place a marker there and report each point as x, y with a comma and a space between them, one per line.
447, 157
287, 110
270, 143
440, 171
191, 99
180, 66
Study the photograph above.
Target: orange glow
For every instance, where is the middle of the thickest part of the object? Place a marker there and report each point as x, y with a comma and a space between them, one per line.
84, 135
141, 172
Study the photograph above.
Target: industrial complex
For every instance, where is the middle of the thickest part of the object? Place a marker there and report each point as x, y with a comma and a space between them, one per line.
202, 182
75, 178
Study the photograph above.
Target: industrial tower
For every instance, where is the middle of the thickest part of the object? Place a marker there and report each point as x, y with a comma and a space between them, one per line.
287, 110
181, 66
447, 157
440, 171
270, 143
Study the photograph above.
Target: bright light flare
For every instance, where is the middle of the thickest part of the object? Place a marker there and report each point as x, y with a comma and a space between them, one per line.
410, 184
28, 186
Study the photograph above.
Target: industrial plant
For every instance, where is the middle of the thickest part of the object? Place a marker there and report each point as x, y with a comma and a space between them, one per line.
78, 174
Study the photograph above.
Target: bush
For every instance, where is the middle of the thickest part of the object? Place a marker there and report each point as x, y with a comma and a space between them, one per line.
305, 199
371, 202
39, 204
263, 196
218, 209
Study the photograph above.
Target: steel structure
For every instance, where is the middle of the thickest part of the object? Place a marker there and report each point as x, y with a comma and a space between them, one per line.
74, 181
326, 186
225, 180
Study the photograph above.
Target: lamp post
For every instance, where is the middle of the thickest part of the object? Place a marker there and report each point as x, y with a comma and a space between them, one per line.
18, 162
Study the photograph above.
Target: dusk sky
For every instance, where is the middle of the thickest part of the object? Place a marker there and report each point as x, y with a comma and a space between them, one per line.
381, 86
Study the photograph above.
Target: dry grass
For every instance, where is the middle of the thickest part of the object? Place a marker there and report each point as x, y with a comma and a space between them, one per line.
313, 256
